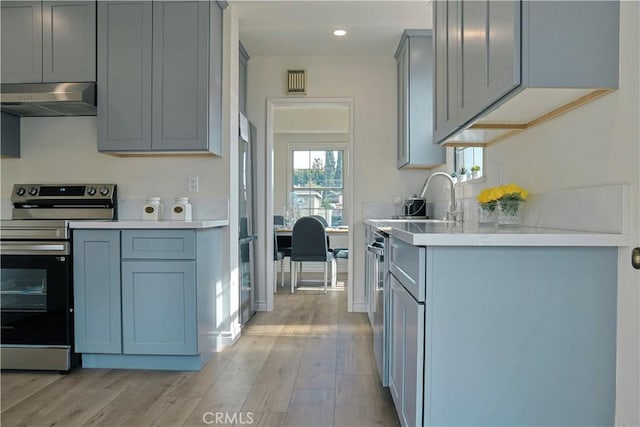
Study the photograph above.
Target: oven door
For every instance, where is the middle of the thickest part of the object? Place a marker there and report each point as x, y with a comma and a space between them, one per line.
35, 293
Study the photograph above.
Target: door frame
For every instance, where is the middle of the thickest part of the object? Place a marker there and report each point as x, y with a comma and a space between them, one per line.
272, 104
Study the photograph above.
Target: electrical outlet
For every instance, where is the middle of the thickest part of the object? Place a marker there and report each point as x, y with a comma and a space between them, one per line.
193, 185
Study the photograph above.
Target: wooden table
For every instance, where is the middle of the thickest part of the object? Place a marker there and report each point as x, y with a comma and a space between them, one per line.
330, 231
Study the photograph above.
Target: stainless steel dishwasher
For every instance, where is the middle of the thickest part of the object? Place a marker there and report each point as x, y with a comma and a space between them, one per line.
378, 280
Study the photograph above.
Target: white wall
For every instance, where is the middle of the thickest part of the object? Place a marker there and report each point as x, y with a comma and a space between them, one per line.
371, 82
64, 150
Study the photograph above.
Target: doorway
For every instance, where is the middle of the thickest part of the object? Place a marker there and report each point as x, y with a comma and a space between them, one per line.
314, 125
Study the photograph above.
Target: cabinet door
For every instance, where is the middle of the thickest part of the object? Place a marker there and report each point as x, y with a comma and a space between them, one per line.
21, 44
69, 41
159, 307
488, 55
10, 136
445, 43
407, 354
96, 277
124, 76
403, 105
180, 75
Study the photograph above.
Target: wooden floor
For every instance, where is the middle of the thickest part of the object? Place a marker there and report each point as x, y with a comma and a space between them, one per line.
307, 363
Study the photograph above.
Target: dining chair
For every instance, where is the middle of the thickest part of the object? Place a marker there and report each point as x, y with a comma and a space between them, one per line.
278, 255
325, 224
309, 244
284, 242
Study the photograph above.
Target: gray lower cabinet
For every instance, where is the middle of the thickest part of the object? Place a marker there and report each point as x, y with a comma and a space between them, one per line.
97, 292
48, 41
143, 298
407, 354
159, 77
159, 307
514, 336
414, 58
504, 66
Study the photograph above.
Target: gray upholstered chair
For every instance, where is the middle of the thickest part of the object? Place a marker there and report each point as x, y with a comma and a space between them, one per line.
325, 224
321, 219
309, 244
278, 255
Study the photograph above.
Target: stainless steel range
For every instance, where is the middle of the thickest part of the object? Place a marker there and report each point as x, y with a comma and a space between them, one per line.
36, 291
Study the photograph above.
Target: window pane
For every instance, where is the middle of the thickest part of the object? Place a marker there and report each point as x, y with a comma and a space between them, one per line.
318, 184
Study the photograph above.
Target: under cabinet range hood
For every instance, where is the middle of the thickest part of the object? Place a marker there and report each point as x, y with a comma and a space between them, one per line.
48, 99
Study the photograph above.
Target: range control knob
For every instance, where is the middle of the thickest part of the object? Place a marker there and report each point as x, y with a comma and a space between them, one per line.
91, 191
20, 191
104, 191
33, 191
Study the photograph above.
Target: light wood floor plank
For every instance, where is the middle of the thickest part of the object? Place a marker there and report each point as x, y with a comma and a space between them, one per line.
169, 411
196, 384
318, 365
226, 395
358, 403
18, 386
311, 407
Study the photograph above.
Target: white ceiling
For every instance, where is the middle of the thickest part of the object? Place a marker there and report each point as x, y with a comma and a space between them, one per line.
304, 27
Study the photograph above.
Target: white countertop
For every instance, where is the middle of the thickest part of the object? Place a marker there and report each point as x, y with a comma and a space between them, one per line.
139, 224
424, 233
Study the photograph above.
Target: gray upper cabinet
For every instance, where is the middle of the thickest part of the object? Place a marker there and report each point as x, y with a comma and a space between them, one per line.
124, 76
242, 82
10, 137
68, 41
414, 57
504, 66
489, 65
21, 42
445, 50
49, 41
159, 77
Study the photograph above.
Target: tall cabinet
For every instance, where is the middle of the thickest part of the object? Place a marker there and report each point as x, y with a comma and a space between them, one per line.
48, 41
414, 57
159, 77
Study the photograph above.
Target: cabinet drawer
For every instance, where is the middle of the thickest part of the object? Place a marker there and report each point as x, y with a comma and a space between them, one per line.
155, 244
408, 266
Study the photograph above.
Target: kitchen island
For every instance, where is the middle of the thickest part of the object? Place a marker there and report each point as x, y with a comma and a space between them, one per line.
501, 326
145, 293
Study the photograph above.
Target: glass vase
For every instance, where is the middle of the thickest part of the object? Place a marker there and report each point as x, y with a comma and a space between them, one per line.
510, 212
486, 214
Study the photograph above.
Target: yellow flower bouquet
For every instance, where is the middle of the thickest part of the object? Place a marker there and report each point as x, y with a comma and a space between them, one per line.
507, 198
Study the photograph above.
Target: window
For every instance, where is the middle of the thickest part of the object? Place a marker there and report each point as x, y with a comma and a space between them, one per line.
317, 183
468, 158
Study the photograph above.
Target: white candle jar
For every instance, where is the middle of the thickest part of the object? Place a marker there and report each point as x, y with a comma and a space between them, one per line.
181, 211
151, 210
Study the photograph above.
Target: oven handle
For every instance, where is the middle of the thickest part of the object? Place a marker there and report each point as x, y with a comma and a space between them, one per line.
35, 248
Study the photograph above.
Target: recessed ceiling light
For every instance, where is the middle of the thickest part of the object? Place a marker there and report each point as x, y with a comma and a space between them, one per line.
339, 33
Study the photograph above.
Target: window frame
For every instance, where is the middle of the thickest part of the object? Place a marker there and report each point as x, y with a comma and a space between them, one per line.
321, 146
482, 176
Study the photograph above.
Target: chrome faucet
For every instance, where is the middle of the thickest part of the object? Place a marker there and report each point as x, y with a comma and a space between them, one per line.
451, 213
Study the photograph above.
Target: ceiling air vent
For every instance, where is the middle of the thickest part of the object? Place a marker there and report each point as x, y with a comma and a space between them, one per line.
296, 82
